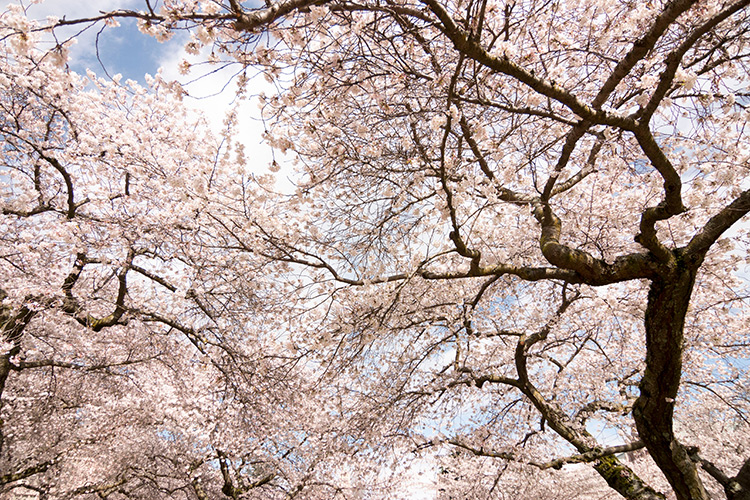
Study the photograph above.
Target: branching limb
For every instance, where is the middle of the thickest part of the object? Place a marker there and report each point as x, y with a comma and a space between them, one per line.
455, 235
480, 380
672, 204
590, 456
229, 488
737, 487
72, 206
527, 341
290, 254
642, 47
27, 472
481, 452
587, 457
242, 19
198, 340
71, 305
588, 169
503, 65
514, 110
571, 140
591, 270
43, 363
716, 226
504, 193
251, 20
153, 277
674, 59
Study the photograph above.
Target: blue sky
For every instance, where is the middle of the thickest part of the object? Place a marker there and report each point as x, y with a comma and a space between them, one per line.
123, 49
127, 51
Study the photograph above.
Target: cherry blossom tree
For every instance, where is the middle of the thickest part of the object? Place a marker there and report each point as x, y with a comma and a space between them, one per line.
132, 362
513, 223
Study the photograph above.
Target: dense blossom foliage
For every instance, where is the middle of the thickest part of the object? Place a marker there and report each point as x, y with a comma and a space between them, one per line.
513, 259
128, 364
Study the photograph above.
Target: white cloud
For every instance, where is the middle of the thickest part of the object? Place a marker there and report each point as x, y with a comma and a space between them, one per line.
211, 91
85, 49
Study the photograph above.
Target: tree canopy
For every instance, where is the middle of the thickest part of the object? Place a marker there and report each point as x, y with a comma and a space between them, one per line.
512, 259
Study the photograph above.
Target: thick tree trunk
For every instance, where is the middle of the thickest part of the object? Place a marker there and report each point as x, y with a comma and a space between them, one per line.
668, 301
4, 371
739, 487
11, 329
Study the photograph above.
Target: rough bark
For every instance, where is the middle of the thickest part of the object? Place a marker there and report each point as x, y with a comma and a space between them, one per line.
11, 329
739, 487
619, 476
735, 488
653, 411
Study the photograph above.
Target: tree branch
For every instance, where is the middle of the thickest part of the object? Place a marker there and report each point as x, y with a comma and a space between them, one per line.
674, 59
641, 48
27, 472
716, 226
587, 457
471, 48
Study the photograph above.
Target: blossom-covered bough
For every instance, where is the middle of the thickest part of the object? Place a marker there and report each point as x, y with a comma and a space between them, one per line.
513, 223
122, 373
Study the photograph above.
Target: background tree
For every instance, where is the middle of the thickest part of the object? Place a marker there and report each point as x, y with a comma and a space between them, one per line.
512, 221
131, 362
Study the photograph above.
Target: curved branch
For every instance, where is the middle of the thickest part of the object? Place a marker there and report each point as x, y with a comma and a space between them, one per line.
66, 177
571, 141
674, 59
503, 65
587, 457
153, 277
716, 226
590, 456
737, 487
641, 48
72, 307
590, 270
588, 169
672, 204
192, 335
